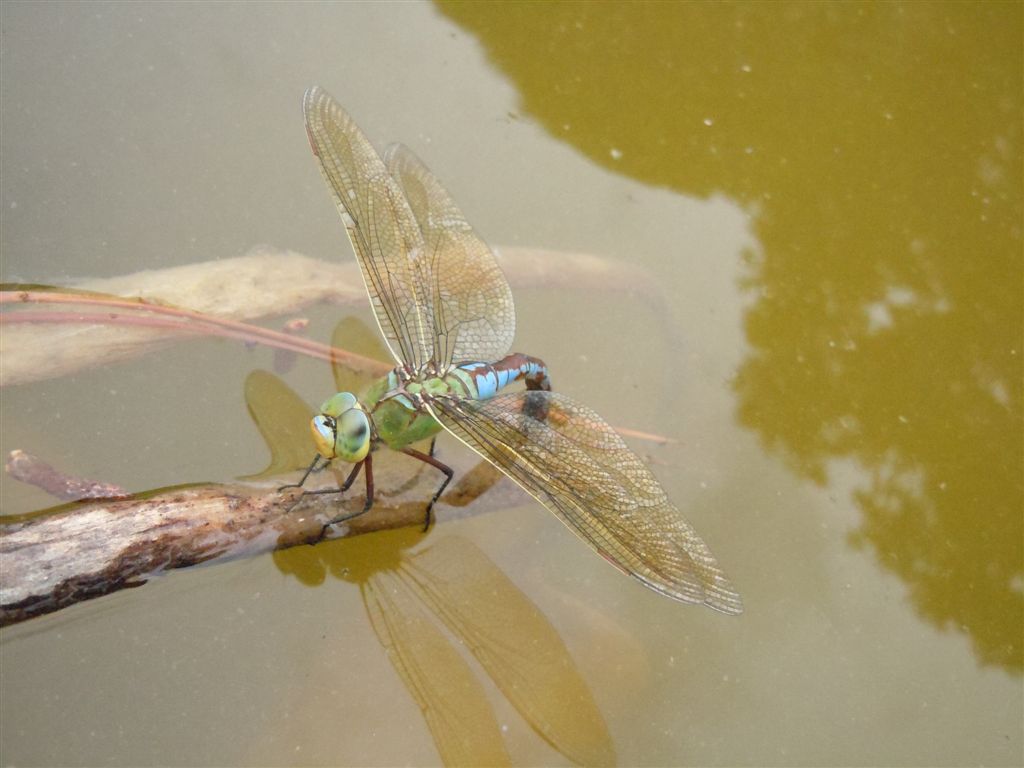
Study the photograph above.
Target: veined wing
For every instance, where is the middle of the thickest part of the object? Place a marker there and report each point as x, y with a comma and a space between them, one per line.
573, 462
382, 229
473, 315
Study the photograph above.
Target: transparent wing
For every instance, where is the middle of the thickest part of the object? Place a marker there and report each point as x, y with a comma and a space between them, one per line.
473, 315
383, 231
573, 462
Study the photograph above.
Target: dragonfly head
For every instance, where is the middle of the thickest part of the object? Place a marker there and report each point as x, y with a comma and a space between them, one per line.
342, 429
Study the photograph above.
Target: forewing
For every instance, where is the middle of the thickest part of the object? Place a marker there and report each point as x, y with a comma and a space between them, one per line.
383, 231
575, 464
473, 315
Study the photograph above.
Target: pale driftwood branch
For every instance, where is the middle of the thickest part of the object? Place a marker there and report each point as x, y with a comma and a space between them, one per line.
265, 283
92, 548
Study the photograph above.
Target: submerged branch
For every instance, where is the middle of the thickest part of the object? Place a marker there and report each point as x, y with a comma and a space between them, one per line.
87, 549
222, 297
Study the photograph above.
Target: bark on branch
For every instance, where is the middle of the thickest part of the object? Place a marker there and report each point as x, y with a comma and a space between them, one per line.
86, 549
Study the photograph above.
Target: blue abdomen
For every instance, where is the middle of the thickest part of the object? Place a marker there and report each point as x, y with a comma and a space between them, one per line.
484, 380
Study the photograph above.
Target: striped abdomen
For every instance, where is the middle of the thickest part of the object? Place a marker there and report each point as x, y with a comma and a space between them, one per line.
481, 381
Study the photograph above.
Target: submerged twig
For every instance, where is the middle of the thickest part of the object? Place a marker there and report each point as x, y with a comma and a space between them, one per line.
92, 548
223, 296
34, 471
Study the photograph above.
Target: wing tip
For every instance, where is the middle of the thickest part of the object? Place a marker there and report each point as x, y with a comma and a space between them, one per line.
729, 603
312, 94
315, 100
722, 596
719, 596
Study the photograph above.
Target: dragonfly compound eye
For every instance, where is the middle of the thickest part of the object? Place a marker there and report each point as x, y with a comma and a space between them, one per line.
324, 430
338, 404
342, 429
352, 442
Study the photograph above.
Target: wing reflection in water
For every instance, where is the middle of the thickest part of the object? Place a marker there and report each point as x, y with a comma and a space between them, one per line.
453, 584
422, 605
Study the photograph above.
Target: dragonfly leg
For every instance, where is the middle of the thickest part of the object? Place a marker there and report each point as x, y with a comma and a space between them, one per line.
433, 442
348, 483
448, 471
309, 470
369, 480
368, 464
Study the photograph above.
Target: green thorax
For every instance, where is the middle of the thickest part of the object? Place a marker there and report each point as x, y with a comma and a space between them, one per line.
397, 420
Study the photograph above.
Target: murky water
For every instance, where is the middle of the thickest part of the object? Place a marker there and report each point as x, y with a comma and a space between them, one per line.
828, 201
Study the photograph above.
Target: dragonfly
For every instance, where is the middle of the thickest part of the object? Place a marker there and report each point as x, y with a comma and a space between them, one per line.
447, 316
